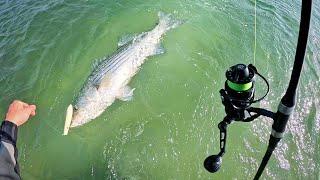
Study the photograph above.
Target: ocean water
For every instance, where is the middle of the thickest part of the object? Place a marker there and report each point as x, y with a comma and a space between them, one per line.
48, 48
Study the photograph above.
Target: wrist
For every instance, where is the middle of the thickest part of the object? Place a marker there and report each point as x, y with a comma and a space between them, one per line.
11, 121
9, 132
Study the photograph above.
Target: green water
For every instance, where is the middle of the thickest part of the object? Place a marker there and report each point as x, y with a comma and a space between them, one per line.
47, 49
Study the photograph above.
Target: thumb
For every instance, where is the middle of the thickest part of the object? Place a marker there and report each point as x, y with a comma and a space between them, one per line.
32, 109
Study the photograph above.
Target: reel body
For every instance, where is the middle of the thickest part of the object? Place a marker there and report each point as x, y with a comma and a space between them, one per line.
237, 98
239, 90
240, 85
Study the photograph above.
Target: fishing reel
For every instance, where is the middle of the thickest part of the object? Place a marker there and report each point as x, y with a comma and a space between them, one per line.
237, 98
239, 90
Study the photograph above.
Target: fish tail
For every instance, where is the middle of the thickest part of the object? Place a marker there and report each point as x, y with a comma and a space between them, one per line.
168, 21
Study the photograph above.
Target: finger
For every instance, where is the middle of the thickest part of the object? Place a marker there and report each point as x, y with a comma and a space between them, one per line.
16, 101
32, 110
33, 107
16, 104
25, 105
19, 102
33, 113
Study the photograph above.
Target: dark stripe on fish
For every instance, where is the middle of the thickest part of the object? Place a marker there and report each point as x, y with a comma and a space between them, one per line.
111, 65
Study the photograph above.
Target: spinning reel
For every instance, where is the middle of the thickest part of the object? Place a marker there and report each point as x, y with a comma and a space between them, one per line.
237, 98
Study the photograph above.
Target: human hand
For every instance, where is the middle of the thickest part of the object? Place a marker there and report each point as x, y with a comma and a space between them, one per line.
19, 112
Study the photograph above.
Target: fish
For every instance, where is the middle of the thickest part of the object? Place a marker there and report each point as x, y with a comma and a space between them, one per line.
109, 80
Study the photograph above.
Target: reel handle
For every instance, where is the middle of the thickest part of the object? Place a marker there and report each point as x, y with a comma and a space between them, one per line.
213, 163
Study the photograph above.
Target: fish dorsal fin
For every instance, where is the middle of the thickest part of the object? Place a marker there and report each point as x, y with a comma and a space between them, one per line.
126, 93
126, 39
97, 62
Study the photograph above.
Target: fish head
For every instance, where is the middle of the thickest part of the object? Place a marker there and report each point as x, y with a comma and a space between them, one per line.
79, 117
86, 113
90, 105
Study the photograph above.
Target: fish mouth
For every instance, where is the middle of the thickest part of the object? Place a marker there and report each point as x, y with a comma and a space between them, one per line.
74, 124
75, 118
71, 122
78, 118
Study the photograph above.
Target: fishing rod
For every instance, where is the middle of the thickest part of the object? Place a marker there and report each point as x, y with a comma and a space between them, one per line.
238, 96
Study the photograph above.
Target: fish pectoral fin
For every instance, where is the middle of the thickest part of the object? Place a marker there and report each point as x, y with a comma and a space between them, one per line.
126, 93
105, 82
126, 39
159, 49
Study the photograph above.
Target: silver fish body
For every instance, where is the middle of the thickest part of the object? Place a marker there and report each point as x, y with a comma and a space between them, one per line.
109, 80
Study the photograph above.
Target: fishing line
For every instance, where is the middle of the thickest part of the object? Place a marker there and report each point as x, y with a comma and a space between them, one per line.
238, 96
255, 32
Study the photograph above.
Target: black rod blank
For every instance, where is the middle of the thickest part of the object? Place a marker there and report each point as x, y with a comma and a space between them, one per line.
288, 100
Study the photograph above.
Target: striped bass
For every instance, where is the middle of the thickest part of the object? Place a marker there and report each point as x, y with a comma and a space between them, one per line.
109, 80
